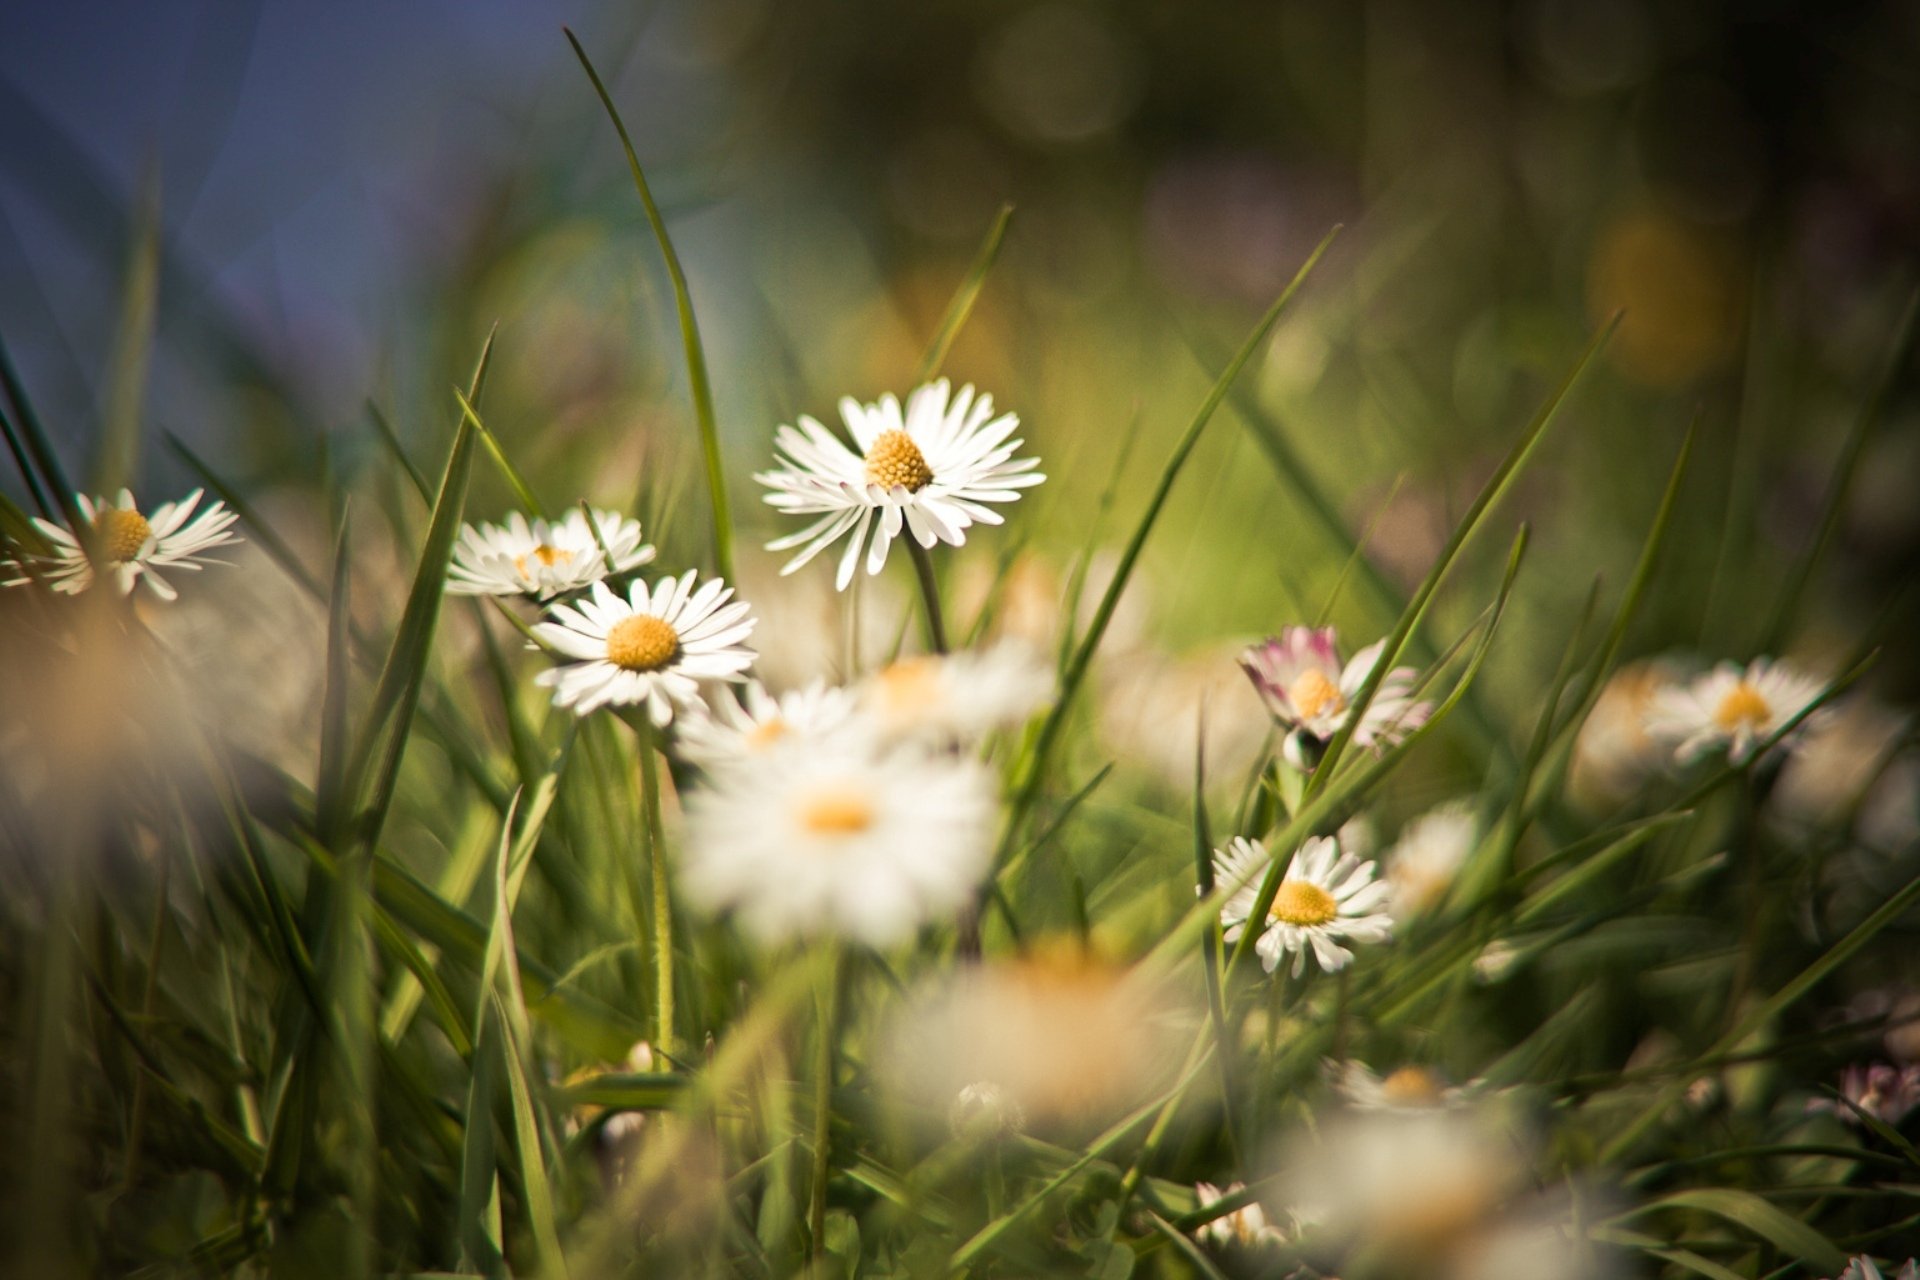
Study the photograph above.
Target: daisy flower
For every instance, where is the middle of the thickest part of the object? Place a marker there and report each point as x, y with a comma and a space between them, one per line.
738, 727
929, 469
130, 546
544, 558
1883, 1092
1732, 707
1423, 864
1298, 674
1864, 1268
1327, 897
835, 838
652, 647
1246, 1226
1407, 1089
961, 696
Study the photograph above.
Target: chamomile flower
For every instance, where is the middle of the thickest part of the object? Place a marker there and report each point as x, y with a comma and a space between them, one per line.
544, 558
929, 469
1731, 706
1427, 857
1298, 674
738, 727
132, 547
651, 647
834, 837
962, 696
1328, 897
1246, 1226
1411, 1088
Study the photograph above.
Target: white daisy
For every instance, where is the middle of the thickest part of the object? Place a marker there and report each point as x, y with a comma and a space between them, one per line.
1327, 897
1246, 1226
544, 558
1427, 857
736, 728
130, 546
835, 838
931, 469
1732, 707
652, 647
1299, 676
963, 696
1864, 1268
1410, 1088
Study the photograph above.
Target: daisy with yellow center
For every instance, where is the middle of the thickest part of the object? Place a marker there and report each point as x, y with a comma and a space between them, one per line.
737, 727
1411, 1088
1733, 707
1327, 897
544, 558
959, 697
130, 547
832, 836
930, 470
651, 648
1428, 856
1310, 693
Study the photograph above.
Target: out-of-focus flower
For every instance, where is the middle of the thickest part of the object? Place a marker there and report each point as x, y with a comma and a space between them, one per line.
928, 469
544, 558
983, 1109
1246, 1226
1326, 898
1427, 857
652, 647
1495, 961
962, 696
1864, 1268
738, 727
813, 622
1731, 707
1883, 1092
131, 547
1614, 754
1072, 1040
1407, 1089
1299, 676
834, 837
1846, 770
1150, 711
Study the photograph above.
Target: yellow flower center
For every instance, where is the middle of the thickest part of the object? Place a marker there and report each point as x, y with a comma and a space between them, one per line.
546, 555
121, 533
895, 461
766, 733
642, 643
1301, 902
908, 685
1411, 1086
1312, 693
836, 812
1743, 705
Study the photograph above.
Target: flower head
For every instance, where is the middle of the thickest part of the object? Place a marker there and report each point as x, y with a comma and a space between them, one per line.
738, 727
130, 547
960, 696
1327, 897
930, 469
1864, 1268
835, 837
1730, 706
1410, 1088
1298, 674
1883, 1092
1246, 1226
651, 647
1429, 854
544, 558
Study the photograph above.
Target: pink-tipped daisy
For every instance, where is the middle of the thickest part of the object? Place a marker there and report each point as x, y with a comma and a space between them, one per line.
1298, 674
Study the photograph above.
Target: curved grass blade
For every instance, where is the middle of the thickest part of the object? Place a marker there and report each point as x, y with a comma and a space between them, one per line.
964, 298
119, 452
698, 384
1763, 1219
521, 489
38, 446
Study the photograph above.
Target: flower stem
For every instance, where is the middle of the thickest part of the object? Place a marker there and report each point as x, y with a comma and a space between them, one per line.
663, 1041
929, 594
834, 962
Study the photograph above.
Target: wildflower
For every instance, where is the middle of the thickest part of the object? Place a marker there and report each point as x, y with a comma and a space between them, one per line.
649, 648
1310, 694
930, 469
1731, 707
1495, 961
838, 838
960, 696
737, 727
1410, 1088
1246, 1226
1327, 897
129, 546
1864, 1268
1614, 754
1883, 1092
544, 558
1845, 771
1423, 864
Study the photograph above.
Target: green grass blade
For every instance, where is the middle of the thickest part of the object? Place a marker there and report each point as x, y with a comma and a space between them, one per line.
697, 381
964, 298
39, 446
391, 439
535, 1188
521, 489
119, 452
331, 801
1763, 1219
1076, 671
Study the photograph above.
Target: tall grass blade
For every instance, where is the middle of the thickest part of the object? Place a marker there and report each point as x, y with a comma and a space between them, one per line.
119, 450
963, 299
